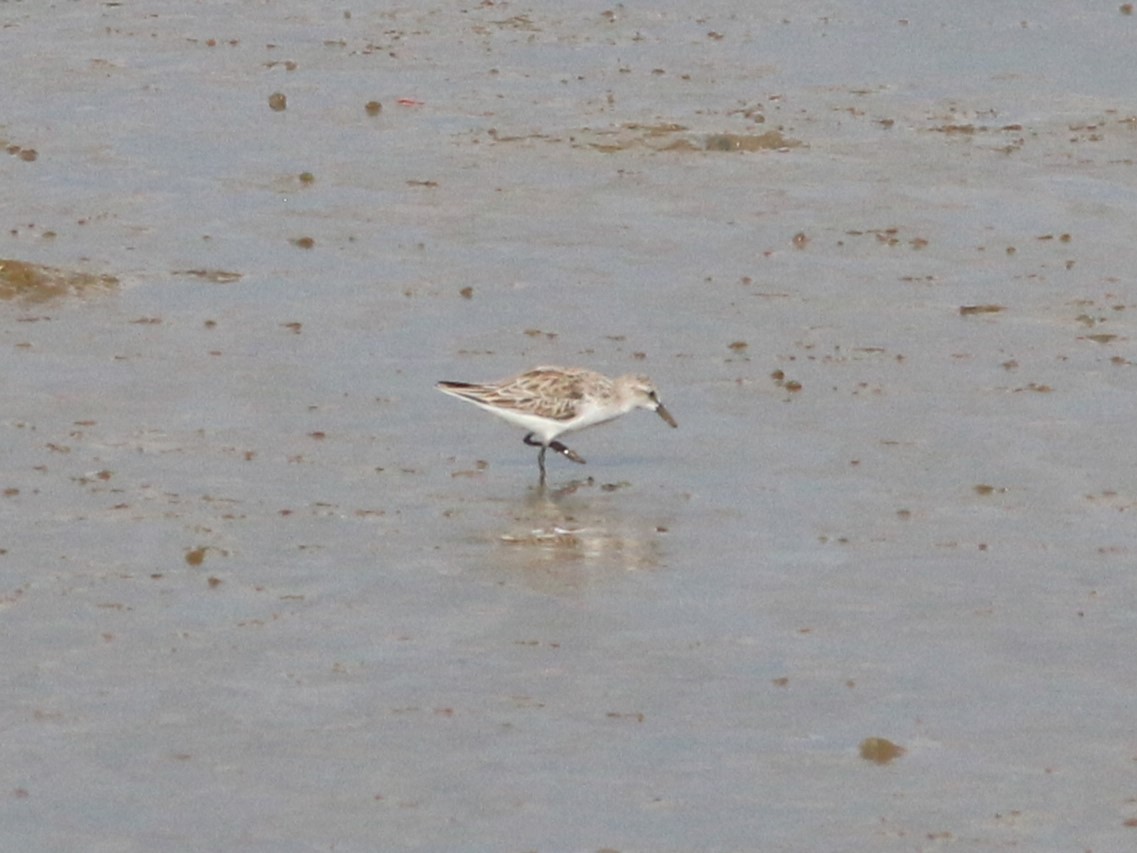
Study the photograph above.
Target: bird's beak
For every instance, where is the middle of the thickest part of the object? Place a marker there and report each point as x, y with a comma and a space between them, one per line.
666, 415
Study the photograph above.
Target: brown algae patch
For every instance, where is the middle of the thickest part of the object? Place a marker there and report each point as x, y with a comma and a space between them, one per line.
968, 310
771, 140
880, 750
211, 275
20, 280
669, 136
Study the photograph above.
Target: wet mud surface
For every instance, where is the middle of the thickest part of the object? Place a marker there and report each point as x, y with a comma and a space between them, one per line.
263, 588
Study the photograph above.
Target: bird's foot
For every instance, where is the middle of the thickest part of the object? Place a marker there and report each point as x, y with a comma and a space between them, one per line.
567, 452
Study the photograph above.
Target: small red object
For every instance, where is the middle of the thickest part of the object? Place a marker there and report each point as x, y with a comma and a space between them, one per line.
408, 102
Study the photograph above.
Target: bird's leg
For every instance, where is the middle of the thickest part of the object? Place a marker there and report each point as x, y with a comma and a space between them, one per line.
568, 453
540, 456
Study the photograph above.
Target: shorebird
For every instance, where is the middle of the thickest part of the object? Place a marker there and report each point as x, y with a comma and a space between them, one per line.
552, 401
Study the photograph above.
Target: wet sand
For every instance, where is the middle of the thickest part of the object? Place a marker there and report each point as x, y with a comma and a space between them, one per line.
263, 588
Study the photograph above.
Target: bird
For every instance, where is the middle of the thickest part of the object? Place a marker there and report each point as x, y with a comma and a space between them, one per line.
550, 401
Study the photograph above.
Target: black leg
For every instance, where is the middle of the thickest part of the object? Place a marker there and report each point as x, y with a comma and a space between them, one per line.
567, 452
540, 456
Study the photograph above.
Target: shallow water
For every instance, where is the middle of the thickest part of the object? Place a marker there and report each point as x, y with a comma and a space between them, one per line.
263, 588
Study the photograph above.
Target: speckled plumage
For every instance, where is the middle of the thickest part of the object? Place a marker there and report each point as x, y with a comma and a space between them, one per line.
551, 401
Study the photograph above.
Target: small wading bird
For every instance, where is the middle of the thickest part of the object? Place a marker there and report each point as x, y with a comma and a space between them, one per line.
551, 401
